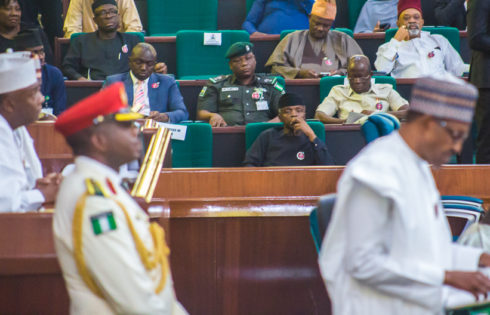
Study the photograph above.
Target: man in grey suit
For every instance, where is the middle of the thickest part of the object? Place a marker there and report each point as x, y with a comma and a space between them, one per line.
479, 39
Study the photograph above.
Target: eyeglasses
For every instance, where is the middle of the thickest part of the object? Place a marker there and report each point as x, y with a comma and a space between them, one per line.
106, 13
139, 62
456, 136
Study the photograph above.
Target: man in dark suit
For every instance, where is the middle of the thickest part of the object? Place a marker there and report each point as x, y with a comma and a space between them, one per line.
451, 13
479, 40
154, 95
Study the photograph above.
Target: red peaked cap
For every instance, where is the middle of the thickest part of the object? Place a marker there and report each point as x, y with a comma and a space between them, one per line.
409, 4
83, 114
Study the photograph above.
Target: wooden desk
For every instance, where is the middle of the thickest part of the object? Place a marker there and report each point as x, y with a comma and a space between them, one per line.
239, 239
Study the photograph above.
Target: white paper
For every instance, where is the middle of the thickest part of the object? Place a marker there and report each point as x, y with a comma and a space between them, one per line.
178, 131
213, 39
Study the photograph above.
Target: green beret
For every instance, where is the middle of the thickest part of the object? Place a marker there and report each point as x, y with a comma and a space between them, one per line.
239, 49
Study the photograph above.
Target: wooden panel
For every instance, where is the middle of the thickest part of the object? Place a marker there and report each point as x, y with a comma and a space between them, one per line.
247, 182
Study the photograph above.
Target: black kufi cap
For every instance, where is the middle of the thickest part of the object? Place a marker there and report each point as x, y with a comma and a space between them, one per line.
98, 3
290, 99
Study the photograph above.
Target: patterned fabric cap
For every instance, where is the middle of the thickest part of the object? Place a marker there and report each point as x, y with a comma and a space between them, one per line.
451, 99
326, 9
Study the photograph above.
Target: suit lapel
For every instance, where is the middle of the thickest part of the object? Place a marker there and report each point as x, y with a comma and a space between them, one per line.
128, 84
152, 92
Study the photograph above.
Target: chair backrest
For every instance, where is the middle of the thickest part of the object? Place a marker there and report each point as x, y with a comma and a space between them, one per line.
320, 218
167, 17
451, 33
253, 130
198, 61
379, 125
197, 148
139, 34
327, 83
249, 5
355, 7
340, 29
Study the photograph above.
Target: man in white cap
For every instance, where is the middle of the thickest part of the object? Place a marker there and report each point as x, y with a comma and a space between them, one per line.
20, 104
388, 248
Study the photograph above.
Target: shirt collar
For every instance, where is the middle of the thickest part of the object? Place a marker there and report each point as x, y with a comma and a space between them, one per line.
97, 169
136, 80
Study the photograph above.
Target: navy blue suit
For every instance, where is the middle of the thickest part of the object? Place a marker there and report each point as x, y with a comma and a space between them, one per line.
163, 94
53, 89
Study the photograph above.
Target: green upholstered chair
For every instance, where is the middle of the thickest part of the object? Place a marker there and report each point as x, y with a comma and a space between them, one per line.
167, 17
198, 61
327, 83
253, 130
249, 5
355, 7
451, 33
340, 29
197, 148
140, 35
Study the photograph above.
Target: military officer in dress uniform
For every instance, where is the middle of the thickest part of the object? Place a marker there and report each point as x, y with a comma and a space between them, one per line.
113, 260
242, 97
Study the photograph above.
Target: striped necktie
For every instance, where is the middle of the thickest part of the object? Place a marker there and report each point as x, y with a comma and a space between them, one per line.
139, 100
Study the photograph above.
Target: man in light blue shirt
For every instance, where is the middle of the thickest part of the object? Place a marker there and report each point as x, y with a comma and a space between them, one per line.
375, 13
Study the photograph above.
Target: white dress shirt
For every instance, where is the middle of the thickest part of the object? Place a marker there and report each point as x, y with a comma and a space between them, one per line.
16, 189
418, 57
145, 110
388, 244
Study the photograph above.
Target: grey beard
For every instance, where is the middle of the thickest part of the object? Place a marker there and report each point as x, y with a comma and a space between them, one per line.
414, 32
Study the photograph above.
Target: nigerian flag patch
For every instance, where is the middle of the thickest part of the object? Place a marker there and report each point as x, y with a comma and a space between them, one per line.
103, 222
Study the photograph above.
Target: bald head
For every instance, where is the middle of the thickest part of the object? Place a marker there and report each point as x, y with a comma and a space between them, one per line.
359, 73
142, 60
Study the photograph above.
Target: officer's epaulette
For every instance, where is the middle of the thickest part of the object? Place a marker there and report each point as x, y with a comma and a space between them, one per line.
272, 80
94, 188
219, 78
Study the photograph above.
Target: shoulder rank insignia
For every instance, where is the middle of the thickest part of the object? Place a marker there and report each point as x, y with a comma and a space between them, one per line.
94, 188
218, 78
203, 91
278, 86
103, 222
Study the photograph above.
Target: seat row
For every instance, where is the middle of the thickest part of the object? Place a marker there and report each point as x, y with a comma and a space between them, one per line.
188, 58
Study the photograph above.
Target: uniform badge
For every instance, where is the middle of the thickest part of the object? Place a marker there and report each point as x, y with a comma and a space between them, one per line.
327, 61
155, 85
125, 49
257, 94
300, 155
103, 222
111, 187
431, 54
203, 91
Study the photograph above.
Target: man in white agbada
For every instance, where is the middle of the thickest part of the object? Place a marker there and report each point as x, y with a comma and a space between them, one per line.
23, 187
413, 53
388, 248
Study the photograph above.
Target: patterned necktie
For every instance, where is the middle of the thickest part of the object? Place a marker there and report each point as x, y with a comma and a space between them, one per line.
139, 100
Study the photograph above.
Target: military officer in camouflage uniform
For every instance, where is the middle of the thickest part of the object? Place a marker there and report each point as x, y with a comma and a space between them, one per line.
242, 97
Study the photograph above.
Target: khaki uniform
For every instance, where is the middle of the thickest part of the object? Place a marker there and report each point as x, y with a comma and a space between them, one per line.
99, 231
241, 104
343, 100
